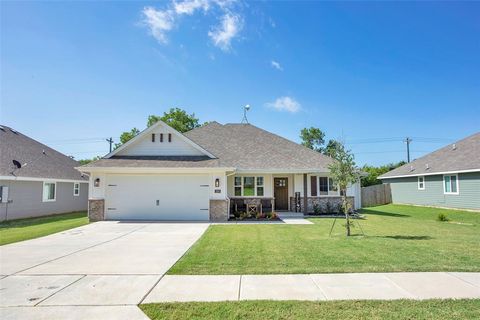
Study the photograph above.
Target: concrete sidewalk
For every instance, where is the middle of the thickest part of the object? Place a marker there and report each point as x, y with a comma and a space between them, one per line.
358, 286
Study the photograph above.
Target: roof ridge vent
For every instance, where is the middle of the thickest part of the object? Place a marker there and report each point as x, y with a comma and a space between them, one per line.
13, 130
454, 146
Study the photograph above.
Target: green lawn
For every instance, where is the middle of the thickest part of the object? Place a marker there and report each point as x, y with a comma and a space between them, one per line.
342, 310
398, 238
24, 229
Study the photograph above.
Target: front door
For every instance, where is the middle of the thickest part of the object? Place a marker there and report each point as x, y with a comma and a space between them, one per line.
280, 192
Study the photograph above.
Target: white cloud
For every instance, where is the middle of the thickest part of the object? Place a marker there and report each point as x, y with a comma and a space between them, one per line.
223, 34
189, 7
159, 22
286, 103
276, 65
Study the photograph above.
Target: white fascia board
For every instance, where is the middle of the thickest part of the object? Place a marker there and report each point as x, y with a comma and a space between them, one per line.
429, 174
152, 170
282, 171
150, 129
13, 178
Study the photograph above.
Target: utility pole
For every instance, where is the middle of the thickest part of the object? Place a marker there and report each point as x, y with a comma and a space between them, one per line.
110, 141
407, 141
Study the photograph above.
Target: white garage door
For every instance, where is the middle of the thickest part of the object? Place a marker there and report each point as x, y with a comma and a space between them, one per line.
157, 197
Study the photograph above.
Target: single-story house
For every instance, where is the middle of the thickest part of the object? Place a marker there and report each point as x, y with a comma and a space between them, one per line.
207, 174
448, 177
36, 180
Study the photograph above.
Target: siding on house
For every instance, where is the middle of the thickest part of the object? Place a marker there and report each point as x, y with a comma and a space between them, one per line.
27, 200
405, 190
146, 147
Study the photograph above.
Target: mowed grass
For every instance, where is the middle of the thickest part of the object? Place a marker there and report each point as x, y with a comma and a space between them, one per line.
397, 238
344, 310
25, 229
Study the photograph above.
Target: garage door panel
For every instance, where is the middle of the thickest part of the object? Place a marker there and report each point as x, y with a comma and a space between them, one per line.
160, 197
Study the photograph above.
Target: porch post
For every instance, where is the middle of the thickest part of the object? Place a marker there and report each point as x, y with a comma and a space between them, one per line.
305, 194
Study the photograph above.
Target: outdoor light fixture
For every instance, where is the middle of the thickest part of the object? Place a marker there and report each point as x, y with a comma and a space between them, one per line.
96, 183
217, 183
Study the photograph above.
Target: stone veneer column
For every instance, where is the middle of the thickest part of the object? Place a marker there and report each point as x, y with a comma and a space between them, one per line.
96, 210
218, 210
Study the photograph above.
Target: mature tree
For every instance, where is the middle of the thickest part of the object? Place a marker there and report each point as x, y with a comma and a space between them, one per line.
331, 148
344, 172
373, 172
176, 118
126, 136
313, 138
86, 161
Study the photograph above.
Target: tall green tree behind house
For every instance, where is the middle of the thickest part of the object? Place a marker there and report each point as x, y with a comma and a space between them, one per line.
126, 136
176, 118
344, 172
313, 138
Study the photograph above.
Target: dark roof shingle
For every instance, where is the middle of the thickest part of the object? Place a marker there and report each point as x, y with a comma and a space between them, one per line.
458, 156
51, 165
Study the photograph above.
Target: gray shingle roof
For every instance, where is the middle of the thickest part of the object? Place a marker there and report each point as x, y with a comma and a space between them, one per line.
52, 165
241, 146
247, 147
459, 156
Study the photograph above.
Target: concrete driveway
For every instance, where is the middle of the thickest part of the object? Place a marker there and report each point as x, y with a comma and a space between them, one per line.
99, 271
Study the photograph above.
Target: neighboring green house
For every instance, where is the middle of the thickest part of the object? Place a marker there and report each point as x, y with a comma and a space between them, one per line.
448, 177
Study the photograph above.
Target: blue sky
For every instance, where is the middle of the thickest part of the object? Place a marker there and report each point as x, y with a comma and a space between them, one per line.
73, 74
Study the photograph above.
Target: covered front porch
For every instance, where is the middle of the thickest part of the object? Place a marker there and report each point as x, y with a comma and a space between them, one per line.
282, 192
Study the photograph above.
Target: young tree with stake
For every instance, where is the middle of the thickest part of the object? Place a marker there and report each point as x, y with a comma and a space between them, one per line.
344, 172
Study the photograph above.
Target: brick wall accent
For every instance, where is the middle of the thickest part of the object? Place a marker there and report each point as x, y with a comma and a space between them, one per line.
96, 210
325, 204
218, 210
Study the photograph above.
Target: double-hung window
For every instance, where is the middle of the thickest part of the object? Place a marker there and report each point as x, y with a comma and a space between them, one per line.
49, 191
326, 186
249, 186
76, 189
450, 184
421, 183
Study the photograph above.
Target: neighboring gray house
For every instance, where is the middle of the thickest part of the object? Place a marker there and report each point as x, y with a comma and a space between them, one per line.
448, 177
41, 181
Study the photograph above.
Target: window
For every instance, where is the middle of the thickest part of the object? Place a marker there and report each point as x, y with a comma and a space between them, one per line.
49, 191
249, 186
450, 184
161, 137
260, 186
169, 137
238, 186
332, 187
323, 185
153, 137
421, 183
76, 189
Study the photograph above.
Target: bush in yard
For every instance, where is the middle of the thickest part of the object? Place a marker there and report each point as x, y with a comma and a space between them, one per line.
442, 217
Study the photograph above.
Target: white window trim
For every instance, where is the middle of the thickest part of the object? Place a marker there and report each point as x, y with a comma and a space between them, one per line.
329, 193
74, 188
255, 185
54, 193
456, 181
423, 182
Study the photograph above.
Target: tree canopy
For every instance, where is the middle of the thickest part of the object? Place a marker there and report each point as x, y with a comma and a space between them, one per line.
373, 172
313, 138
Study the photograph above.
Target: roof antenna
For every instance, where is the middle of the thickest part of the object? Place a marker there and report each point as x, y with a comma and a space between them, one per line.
245, 109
